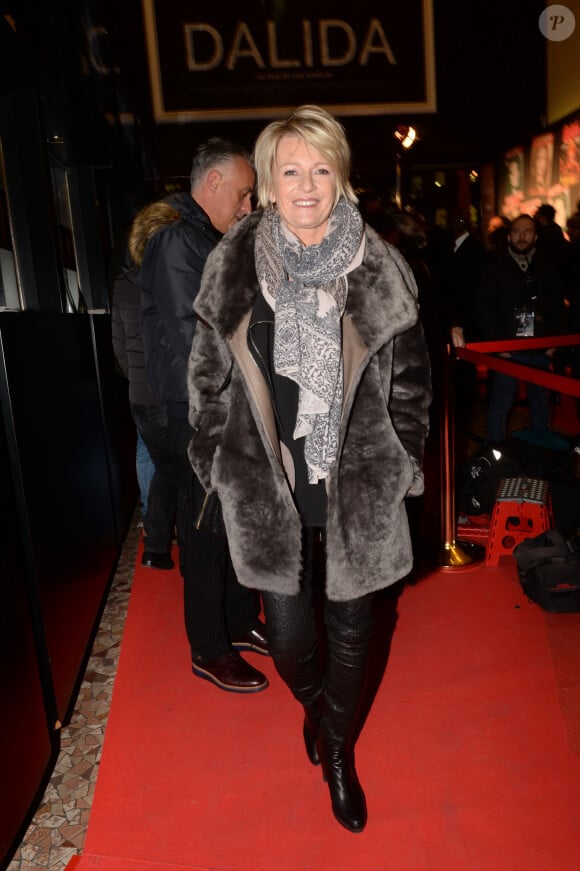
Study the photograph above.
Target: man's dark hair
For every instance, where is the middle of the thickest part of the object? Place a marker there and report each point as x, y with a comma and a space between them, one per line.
547, 211
212, 153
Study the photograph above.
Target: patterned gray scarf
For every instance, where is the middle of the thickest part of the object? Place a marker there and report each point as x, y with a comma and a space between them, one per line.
307, 287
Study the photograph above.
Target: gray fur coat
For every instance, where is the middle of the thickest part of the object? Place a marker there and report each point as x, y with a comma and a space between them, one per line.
236, 451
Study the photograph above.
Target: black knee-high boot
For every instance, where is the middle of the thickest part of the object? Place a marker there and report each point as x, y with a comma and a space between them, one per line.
303, 676
311, 728
348, 629
292, 633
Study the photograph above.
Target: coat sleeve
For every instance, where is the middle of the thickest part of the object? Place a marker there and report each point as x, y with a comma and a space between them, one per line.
174, 267
410, 397
118, 333
487, 306
209, 373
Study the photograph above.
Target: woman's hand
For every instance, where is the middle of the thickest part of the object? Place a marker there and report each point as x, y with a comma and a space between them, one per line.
457, 339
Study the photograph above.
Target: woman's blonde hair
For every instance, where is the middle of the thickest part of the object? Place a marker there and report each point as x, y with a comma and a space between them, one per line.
317, 128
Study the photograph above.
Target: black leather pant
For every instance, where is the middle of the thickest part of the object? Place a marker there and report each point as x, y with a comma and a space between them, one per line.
327, 665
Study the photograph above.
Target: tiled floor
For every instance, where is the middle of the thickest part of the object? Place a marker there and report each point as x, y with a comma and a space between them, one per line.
58, 829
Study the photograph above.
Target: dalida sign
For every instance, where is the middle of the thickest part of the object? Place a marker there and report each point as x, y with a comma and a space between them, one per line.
370, 57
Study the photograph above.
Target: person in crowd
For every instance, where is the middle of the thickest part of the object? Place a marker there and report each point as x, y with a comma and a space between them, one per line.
309, 394
459, 269
573, 228
460, 277
550, 239
407, 232
465, 264
170, 242
159, 489
552, 243
370, 204
519, 296
498, 229
145, 469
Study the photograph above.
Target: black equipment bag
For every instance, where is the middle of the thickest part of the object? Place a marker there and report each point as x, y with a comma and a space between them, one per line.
479, 479
549, 570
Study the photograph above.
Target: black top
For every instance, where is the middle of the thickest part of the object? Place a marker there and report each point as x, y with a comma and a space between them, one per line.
310, 499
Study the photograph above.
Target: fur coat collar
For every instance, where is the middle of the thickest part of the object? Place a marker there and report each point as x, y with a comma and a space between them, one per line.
231, 265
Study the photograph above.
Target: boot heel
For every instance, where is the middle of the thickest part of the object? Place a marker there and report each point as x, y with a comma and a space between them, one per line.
310, 738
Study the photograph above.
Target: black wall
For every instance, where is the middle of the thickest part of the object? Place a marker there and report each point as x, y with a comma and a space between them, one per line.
68, 488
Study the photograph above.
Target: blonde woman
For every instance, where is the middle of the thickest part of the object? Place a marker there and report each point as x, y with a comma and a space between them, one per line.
309, 389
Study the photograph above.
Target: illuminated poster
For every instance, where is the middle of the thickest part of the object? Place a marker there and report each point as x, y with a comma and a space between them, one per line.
264, 57
547, 170
514, 182
570, 154
541, 163
560, 199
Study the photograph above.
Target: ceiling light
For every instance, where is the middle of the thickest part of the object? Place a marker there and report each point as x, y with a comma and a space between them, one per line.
406, 135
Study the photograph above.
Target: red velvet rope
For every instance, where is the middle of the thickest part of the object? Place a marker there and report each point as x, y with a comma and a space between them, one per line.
480, 354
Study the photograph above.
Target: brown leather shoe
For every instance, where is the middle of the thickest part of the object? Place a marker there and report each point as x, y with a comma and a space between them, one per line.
253, 640
232, 673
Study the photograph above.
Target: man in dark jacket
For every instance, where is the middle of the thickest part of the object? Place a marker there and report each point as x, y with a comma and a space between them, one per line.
519, 296
170, 242
462, 271
464, 267
150, 417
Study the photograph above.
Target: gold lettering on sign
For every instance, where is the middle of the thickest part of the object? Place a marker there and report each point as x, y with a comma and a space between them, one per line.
307, 39
324, 25
276, 62
243, 45
375, 29
242, 32
218, 47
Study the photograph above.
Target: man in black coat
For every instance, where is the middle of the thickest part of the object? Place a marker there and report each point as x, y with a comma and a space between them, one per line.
150, 417
464, 265
519, 296
170, 242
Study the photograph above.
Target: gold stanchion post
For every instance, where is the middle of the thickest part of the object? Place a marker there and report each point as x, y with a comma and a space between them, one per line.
454, 554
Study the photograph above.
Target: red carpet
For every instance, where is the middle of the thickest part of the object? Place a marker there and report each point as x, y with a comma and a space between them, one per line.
466, 756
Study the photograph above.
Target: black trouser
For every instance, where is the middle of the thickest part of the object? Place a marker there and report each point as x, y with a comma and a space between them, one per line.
217, 608
503, 389
292, 627
159, 522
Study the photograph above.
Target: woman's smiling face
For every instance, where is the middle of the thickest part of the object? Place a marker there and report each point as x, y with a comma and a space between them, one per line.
304, 189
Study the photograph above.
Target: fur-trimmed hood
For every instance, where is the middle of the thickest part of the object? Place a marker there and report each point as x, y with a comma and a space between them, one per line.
156, 216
